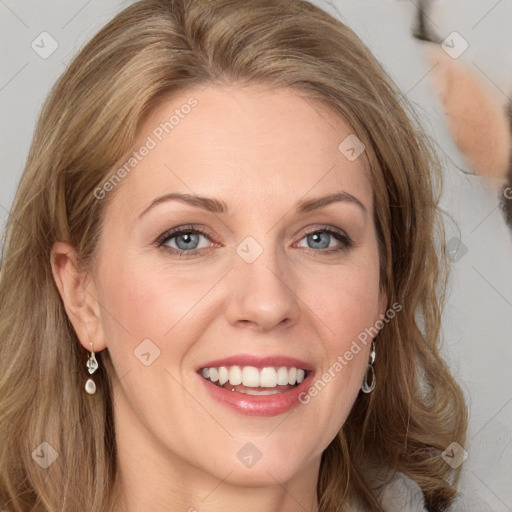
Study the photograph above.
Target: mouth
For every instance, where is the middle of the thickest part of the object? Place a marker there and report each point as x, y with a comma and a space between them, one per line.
257, 386
254, 381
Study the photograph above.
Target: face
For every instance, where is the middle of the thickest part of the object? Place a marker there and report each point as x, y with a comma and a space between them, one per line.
262, 290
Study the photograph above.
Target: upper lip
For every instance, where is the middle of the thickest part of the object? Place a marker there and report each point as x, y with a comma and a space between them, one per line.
258, 362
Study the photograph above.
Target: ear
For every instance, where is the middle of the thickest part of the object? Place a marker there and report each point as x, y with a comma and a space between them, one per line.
79, 296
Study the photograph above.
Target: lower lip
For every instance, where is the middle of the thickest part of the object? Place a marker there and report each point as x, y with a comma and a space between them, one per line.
263, 405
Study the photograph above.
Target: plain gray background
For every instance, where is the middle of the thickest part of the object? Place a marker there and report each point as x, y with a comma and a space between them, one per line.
477, 322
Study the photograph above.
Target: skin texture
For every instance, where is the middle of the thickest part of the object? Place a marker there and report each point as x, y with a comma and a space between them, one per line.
261, 152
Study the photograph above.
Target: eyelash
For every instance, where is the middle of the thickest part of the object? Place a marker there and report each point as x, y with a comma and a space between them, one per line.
346, 241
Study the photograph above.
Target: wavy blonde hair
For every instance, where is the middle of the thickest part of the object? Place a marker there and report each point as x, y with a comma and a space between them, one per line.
87, 126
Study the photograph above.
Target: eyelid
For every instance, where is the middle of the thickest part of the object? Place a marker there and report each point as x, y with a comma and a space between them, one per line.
342, 237
324, 227
185, 228
338, 233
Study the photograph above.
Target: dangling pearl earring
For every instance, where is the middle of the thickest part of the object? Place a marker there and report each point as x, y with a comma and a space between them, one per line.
92, 366
368, 388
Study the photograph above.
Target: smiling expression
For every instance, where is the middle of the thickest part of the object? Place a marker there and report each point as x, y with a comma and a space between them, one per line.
214, 329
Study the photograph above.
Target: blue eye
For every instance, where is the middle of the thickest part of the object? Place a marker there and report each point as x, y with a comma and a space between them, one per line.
185, 238
321, 239
185, 241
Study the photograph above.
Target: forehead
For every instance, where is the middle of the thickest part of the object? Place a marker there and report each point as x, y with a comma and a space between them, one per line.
239, 142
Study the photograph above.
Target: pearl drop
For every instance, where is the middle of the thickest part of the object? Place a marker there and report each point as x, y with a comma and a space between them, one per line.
90, 387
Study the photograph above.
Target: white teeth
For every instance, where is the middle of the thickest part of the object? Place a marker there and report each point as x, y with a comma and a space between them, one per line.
235, 375
252, 377
268, 378
282, 376
223, 375
292, 376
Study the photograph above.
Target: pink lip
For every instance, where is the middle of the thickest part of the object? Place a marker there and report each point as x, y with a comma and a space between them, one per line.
266, 405
258, 362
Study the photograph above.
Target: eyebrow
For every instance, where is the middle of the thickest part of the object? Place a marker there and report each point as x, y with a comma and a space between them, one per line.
218, 206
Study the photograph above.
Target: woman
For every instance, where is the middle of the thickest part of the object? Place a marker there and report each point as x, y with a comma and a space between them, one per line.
223, 275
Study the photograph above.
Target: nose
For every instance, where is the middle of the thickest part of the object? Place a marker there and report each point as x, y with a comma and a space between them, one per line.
261, 293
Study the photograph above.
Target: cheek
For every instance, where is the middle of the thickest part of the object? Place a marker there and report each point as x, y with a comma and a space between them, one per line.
348, 307
142, 303
346, 300
154, 303
347, 303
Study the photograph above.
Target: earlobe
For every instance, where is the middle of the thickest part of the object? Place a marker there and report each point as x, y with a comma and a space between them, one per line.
78, 296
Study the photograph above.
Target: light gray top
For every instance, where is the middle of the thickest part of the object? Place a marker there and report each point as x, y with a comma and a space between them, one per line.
403, 494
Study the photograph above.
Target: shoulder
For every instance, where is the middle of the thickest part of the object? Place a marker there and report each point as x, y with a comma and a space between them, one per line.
396, 493
402, 494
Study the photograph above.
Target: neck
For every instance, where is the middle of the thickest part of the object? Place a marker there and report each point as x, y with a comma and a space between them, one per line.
199, 496
145, 486
152, 477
